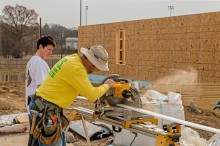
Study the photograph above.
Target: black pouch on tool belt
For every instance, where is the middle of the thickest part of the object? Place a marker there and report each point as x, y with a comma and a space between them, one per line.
49, 129
50, 120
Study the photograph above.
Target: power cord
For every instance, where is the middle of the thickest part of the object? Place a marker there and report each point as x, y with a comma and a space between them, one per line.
135, 135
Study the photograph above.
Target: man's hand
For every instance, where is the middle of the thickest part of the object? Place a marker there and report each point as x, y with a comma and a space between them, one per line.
109, 82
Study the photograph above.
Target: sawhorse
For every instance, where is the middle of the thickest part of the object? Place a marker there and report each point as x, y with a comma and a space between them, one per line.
73, 116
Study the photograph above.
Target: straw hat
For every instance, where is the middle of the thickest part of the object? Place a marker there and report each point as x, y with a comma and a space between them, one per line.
98, 56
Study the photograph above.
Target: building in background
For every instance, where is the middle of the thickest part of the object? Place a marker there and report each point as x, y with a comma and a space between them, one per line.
72, 44
0, 38
149, 49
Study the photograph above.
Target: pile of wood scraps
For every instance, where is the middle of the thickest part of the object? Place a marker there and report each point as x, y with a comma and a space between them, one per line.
14, 123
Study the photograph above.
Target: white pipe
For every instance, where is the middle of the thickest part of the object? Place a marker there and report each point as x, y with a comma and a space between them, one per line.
160, 116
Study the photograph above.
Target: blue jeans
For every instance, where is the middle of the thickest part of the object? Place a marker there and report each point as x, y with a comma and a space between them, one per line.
36, 142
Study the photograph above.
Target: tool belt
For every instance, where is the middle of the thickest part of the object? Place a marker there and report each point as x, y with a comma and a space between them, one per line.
40, 103
51, 122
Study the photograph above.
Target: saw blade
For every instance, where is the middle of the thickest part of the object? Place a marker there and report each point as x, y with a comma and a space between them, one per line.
113, 101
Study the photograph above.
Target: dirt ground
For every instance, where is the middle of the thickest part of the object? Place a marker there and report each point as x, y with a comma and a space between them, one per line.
12, 101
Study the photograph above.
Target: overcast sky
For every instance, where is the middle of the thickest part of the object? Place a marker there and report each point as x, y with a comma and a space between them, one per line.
67, 12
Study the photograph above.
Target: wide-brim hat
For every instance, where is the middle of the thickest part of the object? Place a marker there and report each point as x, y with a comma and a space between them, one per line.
98, 56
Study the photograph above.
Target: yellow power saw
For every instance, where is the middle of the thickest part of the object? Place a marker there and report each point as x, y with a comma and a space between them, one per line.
122, 92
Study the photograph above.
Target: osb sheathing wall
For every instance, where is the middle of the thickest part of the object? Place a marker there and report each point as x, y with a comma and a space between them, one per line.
155, 46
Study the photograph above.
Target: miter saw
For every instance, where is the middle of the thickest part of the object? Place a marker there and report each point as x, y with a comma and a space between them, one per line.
122, 92
125, 93
115, 108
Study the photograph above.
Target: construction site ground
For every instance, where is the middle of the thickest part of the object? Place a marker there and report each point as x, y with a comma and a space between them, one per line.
12, 101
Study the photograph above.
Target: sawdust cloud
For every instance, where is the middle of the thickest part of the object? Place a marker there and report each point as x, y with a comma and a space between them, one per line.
177, 81
188, 76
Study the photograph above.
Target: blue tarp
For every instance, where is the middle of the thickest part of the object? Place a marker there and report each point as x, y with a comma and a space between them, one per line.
98, 78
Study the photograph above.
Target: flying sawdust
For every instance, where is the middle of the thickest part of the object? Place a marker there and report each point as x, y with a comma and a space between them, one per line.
189, 76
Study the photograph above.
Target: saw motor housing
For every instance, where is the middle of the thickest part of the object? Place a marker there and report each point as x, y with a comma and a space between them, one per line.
121, 93
121, 89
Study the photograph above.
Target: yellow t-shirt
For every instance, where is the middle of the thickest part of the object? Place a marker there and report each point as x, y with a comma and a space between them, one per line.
66, 80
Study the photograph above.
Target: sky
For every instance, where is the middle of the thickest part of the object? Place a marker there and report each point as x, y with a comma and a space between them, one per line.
67, 12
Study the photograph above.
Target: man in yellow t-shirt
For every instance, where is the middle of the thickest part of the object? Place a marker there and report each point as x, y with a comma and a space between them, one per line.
69, 77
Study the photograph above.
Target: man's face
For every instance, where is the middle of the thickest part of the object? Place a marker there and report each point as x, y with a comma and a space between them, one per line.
91, 68
46, 51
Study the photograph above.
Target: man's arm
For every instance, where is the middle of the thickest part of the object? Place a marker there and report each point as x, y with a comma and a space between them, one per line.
80, 82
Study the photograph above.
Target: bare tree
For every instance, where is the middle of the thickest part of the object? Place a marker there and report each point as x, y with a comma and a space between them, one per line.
21, 24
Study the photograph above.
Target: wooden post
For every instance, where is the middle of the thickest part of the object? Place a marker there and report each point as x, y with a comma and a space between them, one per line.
86, 132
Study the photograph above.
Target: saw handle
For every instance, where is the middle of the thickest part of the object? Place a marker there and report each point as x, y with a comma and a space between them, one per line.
113, 77
121, 79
